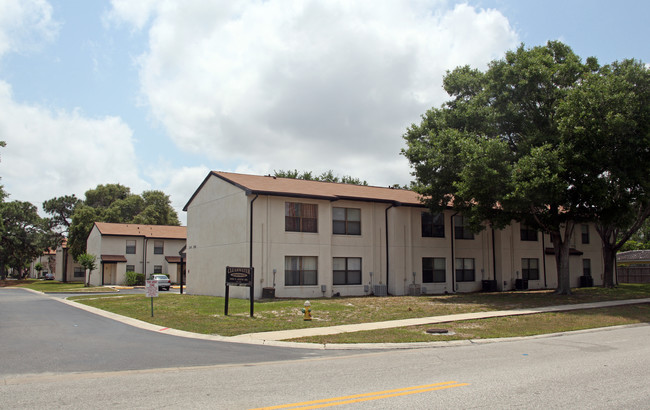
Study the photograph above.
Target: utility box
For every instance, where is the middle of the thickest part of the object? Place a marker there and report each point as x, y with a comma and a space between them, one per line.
586, 281
380, 290
521, 284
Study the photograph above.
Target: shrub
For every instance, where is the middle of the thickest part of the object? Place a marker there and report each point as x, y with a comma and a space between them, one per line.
134, 279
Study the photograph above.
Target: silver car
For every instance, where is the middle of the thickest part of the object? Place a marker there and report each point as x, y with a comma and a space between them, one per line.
163, 282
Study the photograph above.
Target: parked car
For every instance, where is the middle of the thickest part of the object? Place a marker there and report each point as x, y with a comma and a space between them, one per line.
48, 276
163, 282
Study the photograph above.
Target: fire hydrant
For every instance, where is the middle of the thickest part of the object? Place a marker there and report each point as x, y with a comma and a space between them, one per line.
307, 311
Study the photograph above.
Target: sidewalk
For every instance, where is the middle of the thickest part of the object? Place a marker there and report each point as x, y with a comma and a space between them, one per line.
332, 330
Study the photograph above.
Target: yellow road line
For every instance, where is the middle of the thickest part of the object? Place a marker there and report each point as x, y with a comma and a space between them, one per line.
316, 404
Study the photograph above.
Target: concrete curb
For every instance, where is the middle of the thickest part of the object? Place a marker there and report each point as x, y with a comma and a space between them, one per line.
271, 338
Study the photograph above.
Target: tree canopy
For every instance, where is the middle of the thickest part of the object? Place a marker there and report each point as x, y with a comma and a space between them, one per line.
327, 176
24, 235
504, 147
115, 203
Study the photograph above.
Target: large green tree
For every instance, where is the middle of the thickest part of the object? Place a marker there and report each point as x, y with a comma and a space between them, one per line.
327, 176
606, 124
495, 152
115, 203
24, 236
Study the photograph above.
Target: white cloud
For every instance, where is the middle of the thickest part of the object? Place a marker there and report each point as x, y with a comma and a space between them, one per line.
303, 84
25, 25
51, 153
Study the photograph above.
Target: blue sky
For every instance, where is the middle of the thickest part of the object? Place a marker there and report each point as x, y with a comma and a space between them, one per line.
154, 94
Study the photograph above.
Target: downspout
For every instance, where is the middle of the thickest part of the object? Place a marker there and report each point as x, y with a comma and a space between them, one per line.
64, 275
387, 252
144, 256
453, 257
250, 260
544, 259
494, 257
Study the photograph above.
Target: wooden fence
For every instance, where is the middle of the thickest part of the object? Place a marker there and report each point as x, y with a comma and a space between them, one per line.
634, 274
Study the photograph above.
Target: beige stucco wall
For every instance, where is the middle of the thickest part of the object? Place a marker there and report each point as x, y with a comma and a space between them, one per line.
143, 260
217, 232
218, 236
62, 255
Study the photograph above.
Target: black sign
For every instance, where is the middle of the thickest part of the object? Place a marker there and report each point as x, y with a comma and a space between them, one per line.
239, 276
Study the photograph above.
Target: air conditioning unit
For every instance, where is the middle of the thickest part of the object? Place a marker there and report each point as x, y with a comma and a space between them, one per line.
414, 290
380, 290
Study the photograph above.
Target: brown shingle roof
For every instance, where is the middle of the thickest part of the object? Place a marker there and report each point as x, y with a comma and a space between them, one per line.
269, 185
148, 231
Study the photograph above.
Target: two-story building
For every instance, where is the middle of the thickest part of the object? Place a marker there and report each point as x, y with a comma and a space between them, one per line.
146, 249
308, 239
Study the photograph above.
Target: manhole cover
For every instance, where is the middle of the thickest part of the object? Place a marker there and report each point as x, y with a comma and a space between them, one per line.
437, 331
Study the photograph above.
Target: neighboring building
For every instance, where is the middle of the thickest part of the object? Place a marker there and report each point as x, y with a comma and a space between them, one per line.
633, 266
144, 249
73, 272
48, 260
309, 239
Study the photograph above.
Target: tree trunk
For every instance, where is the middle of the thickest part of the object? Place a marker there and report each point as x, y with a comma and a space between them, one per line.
609, 261
561, 247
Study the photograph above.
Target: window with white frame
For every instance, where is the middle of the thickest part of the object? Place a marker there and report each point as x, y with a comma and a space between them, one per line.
465, 271
130, 246
433, 225
585, 233
130, 268
300, 270
299, 217
434, 270
346, 221
586, 267
461, 228
527, 233
530, 268
346, 271
158, 247
157, 268
79, 272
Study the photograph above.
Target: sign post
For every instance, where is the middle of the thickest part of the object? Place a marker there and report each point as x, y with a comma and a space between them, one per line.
151, 290
237, 276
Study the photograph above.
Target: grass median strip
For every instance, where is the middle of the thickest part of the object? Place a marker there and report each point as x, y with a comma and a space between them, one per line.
510, 326
204, 314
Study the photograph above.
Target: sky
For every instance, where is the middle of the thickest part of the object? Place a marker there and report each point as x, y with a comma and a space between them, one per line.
154, 94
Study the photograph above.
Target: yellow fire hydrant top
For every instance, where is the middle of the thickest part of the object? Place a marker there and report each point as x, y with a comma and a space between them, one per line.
307, 311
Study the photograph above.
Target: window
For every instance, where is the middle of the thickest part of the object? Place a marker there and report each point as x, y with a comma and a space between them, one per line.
585, 233
300, 217
465, 270
158, 247
433, 270
346, 221
528, 233
130, 247
79, 272
433, 226
347, 271
300, 270
586, 267
130, 268
461, 230
157, 268
530, 269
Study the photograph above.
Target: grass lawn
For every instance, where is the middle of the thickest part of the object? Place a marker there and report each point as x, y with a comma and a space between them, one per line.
204, 314
52, 286
510, 326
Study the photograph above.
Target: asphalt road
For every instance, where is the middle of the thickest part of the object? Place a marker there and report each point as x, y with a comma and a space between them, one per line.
41, 335
598, 369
